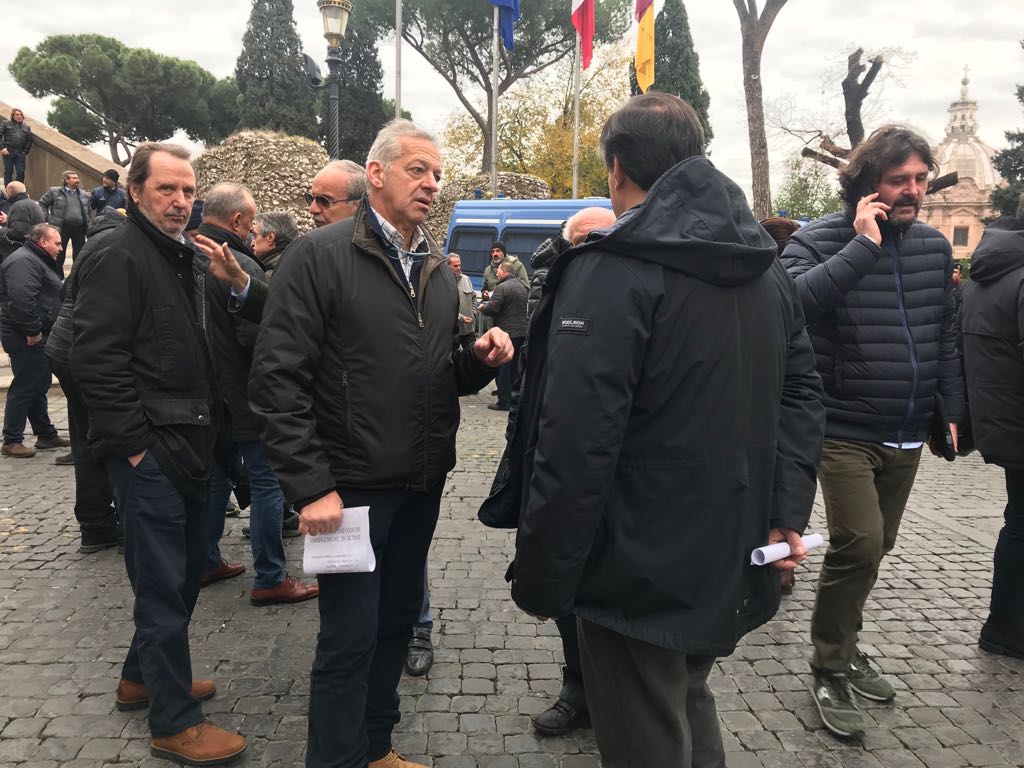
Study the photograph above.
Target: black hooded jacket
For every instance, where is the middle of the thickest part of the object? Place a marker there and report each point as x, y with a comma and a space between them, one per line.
992, 320
670, 417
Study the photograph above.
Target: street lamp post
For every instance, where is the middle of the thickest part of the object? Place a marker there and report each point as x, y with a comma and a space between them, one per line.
335, 14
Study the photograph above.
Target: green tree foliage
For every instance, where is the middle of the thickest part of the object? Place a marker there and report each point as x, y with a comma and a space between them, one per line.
676, 63
455, 39
108, 92
809, 189
1010, 164
269, 72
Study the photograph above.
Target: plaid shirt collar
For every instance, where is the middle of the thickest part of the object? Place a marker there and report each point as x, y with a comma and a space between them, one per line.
396, 238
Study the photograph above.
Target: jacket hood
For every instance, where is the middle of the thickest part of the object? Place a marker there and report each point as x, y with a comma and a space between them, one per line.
695, 220
1000, 251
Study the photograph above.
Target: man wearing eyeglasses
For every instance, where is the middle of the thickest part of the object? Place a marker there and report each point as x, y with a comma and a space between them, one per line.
336, 191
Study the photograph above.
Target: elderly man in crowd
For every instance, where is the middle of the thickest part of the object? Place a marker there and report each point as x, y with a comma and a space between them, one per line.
29, 302
335, 192
141, 358
23, 214
357, 377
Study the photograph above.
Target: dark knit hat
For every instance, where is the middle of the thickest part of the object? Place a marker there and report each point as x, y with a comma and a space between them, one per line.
112, 175
501, 245
197, 216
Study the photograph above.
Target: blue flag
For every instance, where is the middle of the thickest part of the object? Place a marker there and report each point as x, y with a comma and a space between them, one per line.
508, 15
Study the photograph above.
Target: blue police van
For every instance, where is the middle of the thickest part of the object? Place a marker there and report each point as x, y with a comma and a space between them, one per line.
521, 224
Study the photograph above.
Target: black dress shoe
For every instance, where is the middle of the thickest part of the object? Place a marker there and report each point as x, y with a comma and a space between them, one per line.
560, 718
1004, 638
420, 657
498, 407
96, 541
65, 460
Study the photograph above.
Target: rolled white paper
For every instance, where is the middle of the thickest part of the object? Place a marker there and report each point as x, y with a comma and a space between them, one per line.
773, 552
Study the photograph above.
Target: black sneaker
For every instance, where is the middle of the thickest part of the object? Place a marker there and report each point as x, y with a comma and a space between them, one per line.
96, 541
65, 460
839, 712
289, 527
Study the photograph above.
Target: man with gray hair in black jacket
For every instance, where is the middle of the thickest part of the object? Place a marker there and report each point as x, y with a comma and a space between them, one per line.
878, 295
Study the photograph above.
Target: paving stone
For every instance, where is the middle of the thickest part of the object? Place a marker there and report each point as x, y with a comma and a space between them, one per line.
65, 624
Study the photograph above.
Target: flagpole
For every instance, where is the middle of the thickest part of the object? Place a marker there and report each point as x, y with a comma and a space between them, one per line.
494, 108
578, 74
398, 59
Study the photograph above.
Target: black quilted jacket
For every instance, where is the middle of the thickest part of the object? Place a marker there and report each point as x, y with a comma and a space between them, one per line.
881, 322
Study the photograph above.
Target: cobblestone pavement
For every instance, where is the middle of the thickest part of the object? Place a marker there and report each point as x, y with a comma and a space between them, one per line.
65, 622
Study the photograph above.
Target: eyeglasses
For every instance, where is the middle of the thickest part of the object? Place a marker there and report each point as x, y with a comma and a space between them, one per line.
326, 202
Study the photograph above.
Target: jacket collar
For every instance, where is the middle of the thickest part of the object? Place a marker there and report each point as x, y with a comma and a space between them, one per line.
167, 246
221, 235
19, 196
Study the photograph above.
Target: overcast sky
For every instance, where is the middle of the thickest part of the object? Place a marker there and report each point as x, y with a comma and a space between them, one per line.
809, 39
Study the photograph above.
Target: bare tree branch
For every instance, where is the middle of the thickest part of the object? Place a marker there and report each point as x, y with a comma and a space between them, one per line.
942, 182
835, 162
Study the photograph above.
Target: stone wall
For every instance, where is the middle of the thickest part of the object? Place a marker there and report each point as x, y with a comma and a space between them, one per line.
277, 168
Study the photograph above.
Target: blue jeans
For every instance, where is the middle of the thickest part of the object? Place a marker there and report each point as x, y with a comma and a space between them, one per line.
14, 167
265, 517
163, 553
425, 621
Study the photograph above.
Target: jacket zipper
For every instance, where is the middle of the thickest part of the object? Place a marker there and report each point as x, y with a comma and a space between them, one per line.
905, 319
348, 405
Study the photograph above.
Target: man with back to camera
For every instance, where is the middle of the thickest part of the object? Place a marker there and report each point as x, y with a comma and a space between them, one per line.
876, 289
669, 401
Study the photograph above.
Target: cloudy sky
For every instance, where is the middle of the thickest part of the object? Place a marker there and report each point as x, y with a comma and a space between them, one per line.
810, 38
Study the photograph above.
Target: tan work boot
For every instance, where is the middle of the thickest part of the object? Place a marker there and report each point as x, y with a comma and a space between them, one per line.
18, 451
202, 744
131, 695
394, 760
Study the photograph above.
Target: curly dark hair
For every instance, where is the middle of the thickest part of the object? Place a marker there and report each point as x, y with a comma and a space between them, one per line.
889, 146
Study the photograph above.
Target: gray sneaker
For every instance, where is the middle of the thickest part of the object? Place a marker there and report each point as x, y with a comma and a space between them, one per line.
866, 681
839, 712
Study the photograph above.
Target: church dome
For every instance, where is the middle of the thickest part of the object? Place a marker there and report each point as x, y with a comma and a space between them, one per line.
961, 150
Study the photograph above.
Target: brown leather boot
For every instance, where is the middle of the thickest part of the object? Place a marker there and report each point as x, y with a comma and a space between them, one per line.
130, 695
18, 451
202, 744
394, 760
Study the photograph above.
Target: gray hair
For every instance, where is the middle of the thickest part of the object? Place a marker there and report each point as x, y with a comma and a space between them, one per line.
225, 200
1020, 206
358, 184
387, 147
69, 173
279, 223
39, 231
453, 255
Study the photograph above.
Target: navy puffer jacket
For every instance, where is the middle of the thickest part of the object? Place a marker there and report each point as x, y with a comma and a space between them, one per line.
881, 322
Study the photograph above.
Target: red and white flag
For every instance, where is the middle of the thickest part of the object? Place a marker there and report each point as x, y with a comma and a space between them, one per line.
583, 20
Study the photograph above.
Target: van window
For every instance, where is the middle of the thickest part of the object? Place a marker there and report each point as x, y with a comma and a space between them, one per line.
523, 242
473, 244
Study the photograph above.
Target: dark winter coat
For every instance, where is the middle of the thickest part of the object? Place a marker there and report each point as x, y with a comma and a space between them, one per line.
29, 291
55, 202
881, 319
670, 417
24, 214
541, 262
992, 319
232, 338
62, 335
507, 306
16, 137
356, 380
101, 197
140, 353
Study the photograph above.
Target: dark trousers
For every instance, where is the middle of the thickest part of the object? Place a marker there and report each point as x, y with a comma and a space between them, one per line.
26, 397
163, 553
366, 621
14, 167
649, 705
1007, 606
865, 487
573, 690
508, 375
94, 494
218, 491
75, 236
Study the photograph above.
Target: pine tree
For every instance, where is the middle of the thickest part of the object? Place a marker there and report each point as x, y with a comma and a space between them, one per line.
1010, 164
274, 91
360, 104
676, 63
